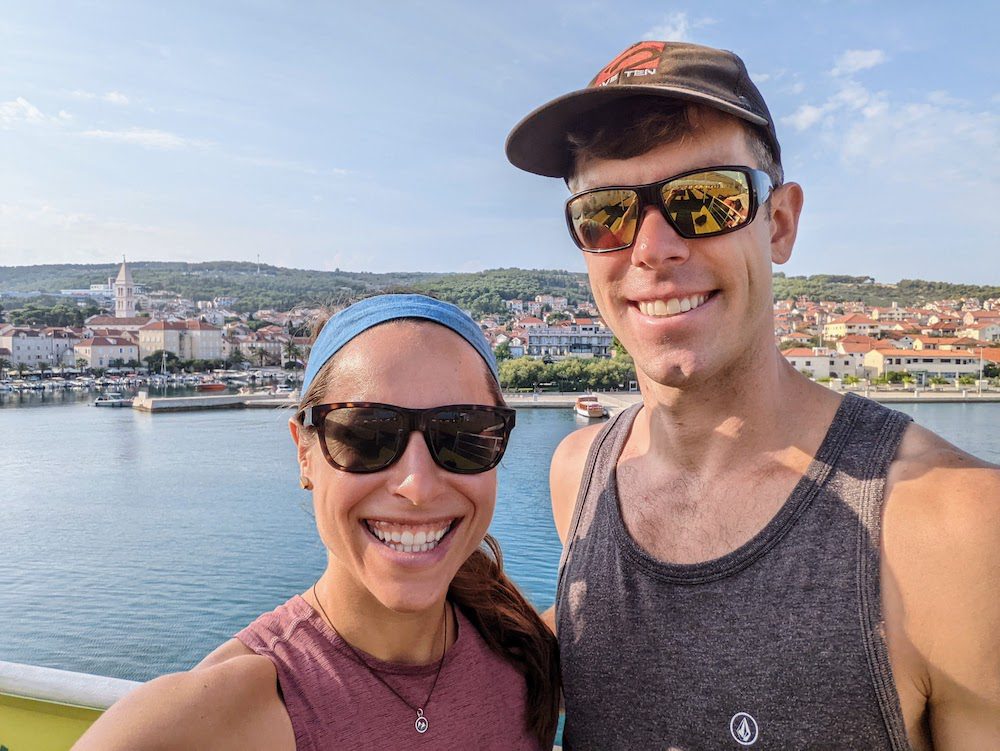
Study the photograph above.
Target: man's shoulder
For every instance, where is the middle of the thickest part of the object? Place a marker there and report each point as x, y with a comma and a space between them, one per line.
939, 495
935, 475
566, 473
941, 545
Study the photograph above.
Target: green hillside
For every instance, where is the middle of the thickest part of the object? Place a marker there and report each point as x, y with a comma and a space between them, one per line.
482, 292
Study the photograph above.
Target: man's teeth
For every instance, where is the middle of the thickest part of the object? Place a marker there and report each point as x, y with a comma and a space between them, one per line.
672, 306
408, 539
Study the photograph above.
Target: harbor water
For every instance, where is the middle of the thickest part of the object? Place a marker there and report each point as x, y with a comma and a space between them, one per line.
133, 544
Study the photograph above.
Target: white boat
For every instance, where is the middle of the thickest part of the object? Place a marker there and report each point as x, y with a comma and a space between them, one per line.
589, 406
113, 399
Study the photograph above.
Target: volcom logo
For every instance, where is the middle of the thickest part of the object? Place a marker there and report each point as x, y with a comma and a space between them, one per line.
743, 728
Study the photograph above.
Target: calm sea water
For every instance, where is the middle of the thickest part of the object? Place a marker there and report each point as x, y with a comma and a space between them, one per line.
133, 544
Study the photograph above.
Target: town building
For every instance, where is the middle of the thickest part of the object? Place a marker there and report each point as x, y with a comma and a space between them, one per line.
850, 324
569, 340
107, 351
824, 362
189, 340
921, 365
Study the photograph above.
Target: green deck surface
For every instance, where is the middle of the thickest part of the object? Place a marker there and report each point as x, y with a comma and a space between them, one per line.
35, 725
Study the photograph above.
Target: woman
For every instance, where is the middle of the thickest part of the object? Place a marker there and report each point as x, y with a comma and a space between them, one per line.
413, 637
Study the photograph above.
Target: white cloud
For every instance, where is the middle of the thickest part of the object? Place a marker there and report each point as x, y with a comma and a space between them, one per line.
145, 137
112, 97
291, 166
852, 61
20, 110
676, 27
849, 97
804, 117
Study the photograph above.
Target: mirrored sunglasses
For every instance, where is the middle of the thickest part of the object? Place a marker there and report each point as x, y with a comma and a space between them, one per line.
702, 203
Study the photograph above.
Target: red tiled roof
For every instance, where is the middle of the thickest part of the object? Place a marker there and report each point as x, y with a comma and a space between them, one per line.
113, 321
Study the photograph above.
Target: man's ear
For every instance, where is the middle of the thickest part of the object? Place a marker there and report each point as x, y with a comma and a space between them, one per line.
786, 205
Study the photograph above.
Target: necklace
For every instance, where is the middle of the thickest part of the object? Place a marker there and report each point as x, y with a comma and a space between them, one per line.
421, 724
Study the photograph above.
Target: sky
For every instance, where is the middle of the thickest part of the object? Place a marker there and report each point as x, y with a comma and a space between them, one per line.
369, 136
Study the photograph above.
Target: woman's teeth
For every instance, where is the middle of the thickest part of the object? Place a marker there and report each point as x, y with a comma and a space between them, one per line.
671, 306
408, 539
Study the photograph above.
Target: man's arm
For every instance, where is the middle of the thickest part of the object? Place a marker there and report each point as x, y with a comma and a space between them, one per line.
565, 475
941, 591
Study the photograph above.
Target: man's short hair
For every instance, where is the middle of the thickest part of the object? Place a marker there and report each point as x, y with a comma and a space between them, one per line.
634, 126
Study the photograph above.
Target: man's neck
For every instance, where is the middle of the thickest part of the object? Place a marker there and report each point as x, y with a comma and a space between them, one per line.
762, 405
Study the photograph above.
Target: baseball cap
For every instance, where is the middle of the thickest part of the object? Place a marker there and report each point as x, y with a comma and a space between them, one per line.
673, 70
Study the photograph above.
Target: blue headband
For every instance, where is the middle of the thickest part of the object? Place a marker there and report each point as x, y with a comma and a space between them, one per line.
371, 311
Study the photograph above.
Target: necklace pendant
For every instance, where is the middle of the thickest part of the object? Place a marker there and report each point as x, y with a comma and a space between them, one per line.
421, 724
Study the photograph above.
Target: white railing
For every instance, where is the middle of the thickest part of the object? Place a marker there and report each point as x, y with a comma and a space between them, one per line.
62, 686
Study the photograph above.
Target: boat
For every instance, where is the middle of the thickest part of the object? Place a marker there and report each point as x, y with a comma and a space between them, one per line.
113, 399
211, 386
589, 406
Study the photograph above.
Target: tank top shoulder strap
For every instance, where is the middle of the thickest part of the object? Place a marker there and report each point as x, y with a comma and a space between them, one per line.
875, 439
601, 459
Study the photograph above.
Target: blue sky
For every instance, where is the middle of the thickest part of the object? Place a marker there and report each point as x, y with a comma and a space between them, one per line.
369, 136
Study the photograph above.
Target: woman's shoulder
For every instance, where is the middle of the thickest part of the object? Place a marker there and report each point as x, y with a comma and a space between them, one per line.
230, 701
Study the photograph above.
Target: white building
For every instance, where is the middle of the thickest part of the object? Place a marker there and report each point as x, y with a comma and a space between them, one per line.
922, 364
569, 340
189, 340
27, 345
823, 362
102, 351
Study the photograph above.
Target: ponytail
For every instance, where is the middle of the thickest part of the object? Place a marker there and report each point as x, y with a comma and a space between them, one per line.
512, 628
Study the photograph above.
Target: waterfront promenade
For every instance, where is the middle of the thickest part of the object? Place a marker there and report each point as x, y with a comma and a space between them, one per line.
613, 400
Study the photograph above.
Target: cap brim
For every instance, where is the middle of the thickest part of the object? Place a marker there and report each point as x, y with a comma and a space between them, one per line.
538, 143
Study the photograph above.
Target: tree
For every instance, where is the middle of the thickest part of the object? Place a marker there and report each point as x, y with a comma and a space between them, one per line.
292, 351
236, 357
21, 367
502, 351
81, 363
4, 366
155, 361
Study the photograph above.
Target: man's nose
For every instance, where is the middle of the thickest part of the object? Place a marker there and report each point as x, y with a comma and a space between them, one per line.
657, 242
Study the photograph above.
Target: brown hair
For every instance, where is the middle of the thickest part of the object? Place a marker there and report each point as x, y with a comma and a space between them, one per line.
508, 623
639, 124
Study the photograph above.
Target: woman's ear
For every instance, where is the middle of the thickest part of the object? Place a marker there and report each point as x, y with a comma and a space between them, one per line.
301, 444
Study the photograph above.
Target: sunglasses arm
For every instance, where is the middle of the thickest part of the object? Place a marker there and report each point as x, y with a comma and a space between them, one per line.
306, 418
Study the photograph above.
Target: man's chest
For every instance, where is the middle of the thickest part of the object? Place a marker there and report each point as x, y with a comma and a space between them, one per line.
685, 519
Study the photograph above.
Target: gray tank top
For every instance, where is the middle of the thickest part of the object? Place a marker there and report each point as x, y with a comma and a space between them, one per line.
776, 645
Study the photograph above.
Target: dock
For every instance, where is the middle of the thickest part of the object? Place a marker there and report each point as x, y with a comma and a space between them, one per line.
615, 401
145, 403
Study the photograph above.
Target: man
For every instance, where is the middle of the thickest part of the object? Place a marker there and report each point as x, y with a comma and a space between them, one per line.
749, 558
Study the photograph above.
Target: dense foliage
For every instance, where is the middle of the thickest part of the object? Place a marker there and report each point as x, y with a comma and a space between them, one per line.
908, 292
260, 287
571, 374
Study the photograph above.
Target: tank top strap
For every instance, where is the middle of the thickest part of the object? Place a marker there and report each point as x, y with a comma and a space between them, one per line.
601, 458
881, 429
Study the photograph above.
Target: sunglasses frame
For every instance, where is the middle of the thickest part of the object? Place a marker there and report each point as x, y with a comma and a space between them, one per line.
759, 183
418, 420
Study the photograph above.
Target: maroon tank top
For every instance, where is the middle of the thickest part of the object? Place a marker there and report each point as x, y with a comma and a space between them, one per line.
334, 701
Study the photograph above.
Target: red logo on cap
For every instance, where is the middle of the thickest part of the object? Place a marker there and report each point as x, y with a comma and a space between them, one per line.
637, 57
